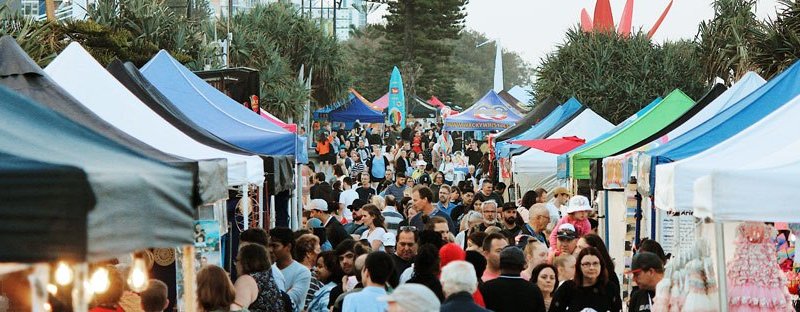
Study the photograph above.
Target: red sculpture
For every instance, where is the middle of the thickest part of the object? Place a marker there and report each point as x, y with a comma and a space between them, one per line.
604, 19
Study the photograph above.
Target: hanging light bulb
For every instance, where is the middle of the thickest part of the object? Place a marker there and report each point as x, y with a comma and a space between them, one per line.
137, 279
64, 274
47, 307
99, 281
52, 289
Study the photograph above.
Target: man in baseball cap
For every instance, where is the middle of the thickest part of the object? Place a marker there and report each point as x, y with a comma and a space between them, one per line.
647, 270
334, 231
567, 239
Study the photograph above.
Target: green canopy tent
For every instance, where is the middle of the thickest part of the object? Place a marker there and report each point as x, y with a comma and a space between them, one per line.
664, 113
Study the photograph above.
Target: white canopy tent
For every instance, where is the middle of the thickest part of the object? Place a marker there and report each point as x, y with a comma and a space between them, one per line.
86, 80
535, 168
675, 181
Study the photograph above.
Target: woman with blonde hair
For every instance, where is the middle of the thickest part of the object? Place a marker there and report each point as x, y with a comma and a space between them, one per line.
215, 292
379, 202
536, 253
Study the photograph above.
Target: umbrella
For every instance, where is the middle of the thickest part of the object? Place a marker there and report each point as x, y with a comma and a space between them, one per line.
554, 146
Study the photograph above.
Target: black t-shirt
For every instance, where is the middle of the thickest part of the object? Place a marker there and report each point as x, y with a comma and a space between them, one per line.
497, 198
365, 193
641, 300
571, 297
474, 157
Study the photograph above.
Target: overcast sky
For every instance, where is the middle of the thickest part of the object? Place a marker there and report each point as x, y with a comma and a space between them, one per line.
533, 27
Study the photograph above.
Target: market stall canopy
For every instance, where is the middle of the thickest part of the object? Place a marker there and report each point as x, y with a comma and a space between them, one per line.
645, 172
764, 100
550, 124
381, 104
132, 79
514, 102
435, 102
96, 88
529, 120
727, 195
553, 146
288, 127
20, 73
669, 109
488, 113
215, 111
141, 203
44, 210
564, 160
620, 167
418, 108
356, 108
535, 168
521, 94
755, 144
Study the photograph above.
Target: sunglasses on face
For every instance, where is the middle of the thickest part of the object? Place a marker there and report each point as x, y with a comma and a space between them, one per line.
408, 228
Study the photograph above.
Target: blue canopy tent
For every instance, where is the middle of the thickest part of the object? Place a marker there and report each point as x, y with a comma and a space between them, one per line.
489, 113
554, 121
324, 113
215, 111
356, 108
563, 160
761, 102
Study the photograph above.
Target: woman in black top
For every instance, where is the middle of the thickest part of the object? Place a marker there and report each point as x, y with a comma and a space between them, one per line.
591, 240
426, 269
590, 288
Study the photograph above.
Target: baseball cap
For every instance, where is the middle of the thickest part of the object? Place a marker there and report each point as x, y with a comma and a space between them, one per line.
317, 204
512, 256
413, 297
389, 239
357, 204
645, 260
425, 179
579, 203
567, 231
560, 190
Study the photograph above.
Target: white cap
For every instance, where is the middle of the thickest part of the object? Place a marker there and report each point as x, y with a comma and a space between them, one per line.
413, 297
566, 226
389, 239
317, 204
579, 203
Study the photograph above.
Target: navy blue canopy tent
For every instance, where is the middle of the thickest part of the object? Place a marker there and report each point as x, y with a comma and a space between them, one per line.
356, 108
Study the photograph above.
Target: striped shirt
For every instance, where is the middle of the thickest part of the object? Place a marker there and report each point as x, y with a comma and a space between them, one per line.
356, 169
392, 218
312, 289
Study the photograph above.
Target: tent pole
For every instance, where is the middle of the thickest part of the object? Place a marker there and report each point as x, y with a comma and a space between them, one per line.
189, 291
721, 274
652, 218
80, 302
272, 210
605, 218
246, 205
261, 206
637, 236
298, 203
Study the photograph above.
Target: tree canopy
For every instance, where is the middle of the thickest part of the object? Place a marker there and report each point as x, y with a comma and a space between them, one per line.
615, 75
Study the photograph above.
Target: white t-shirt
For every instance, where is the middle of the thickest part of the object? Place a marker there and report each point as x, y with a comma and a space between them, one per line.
376, 234
346, 198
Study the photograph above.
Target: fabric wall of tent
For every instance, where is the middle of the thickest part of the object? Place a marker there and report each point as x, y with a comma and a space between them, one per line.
215, 111
21, 74
356, 108
550, 124
775, 93
534, 168
488, 113
522, 94
669, 109
747, 149
563, 160
621, 167
44, 212
135, 118
141, 203
514, 102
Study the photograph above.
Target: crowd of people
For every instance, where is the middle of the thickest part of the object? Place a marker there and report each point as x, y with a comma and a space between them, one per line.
384, 230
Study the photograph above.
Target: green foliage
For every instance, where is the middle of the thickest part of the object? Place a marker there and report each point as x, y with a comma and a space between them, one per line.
370, 68
616, 76
37, 38
727, 42
419, 35
275, 40
779, 46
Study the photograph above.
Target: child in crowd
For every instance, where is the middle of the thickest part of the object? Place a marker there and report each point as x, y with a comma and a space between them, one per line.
566, 268
154, 298
577, 215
